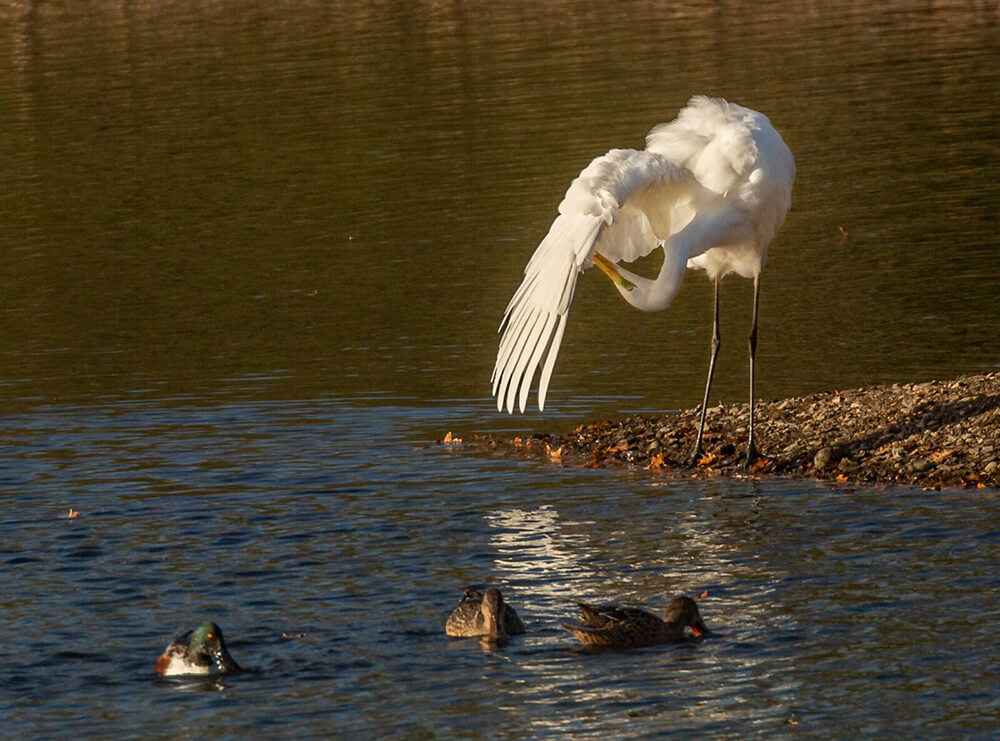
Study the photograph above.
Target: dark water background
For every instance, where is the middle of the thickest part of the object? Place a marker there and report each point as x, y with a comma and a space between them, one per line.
252, 260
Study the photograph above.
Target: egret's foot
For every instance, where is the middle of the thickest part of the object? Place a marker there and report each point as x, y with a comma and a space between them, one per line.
752, 456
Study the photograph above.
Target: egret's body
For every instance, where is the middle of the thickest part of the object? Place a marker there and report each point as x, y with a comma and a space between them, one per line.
710, 189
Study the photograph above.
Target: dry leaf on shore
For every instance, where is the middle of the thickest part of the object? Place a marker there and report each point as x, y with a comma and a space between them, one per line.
941, 456
658, 463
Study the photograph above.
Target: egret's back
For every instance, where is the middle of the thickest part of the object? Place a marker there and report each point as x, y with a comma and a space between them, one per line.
737, 153
712, 139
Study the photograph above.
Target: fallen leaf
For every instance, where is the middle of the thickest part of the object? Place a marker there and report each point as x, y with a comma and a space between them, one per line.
703, 595
941, 456
449, 439
293, 635
69, 515
658, 463
596, 458
707, 459
759, 464
555, 454
841, 478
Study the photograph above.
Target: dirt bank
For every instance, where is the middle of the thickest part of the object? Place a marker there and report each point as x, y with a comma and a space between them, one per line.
940, 433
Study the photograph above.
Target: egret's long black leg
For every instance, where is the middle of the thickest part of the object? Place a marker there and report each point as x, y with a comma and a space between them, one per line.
716, 344
752, 453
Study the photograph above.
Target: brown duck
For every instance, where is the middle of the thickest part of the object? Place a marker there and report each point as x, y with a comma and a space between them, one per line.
614, 627
481, 614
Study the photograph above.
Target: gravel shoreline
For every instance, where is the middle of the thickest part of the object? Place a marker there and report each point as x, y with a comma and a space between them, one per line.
935, 434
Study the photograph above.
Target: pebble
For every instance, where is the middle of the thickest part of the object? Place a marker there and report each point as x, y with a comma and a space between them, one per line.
822, 458
891, 435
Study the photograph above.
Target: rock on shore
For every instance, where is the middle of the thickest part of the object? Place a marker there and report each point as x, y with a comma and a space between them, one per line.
940, 433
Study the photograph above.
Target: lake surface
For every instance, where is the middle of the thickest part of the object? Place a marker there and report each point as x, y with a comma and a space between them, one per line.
252, 261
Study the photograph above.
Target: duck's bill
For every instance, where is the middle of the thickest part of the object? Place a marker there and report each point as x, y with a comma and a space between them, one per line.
226, 664
699, 630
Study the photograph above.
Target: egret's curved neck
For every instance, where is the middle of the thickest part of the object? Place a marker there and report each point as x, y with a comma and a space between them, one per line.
655, 295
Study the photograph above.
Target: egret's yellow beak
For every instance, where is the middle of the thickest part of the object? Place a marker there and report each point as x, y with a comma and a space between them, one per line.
611, 270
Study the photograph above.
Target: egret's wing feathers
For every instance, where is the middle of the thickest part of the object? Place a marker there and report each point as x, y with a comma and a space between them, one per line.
622, 204
535, 320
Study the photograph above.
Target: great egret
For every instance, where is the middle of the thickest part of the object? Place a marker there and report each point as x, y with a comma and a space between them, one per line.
710, 189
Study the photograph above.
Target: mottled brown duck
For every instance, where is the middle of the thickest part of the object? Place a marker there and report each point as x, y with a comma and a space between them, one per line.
615, 627
480, 614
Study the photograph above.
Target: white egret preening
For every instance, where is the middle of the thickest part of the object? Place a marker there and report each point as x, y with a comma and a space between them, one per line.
710, 189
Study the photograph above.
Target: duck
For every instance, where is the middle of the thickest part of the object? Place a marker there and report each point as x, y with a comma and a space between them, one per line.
199, 651
479, 614
613, 627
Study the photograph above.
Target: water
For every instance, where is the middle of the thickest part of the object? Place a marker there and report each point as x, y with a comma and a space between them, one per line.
338, 522
253, 260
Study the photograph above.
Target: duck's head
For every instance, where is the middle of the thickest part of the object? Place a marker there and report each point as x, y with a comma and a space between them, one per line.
492, 611
684, 611
471, 594
207, 640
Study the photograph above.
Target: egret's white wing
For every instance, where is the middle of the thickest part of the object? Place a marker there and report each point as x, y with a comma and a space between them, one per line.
623, 205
